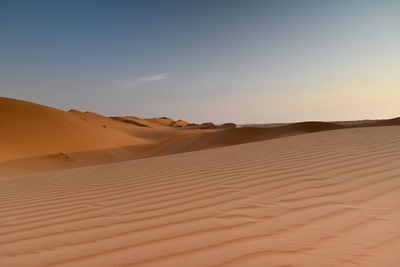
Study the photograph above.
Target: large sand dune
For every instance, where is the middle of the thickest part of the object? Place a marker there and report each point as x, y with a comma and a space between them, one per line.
329, 198
36, 138
31, 130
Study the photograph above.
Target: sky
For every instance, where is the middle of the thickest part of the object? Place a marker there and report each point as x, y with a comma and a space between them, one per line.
243, 61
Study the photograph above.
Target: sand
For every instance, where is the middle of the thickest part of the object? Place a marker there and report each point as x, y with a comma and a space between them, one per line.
36, 138
328, 198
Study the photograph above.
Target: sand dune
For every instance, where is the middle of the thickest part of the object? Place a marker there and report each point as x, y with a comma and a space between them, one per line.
328, 198
36, 138
29, 130
232, 136
229, 125
390, 122
179, 123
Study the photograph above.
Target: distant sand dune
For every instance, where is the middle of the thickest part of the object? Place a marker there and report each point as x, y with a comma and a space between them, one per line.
233, 136
328, 198
179, 123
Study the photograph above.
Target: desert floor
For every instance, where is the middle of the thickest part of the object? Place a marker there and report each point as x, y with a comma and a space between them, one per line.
329, 198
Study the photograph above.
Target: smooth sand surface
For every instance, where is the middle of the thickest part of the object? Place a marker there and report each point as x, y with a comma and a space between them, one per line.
330, 198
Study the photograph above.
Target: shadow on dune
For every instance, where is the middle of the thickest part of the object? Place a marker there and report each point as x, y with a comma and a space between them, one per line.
233, 136
390, 122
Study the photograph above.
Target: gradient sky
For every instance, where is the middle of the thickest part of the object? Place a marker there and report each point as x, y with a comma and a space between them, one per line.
242, 61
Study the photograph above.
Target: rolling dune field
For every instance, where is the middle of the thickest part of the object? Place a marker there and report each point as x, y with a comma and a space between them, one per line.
199, 133
328, 198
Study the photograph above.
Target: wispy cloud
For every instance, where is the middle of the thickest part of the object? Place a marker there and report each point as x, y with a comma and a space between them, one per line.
134, 82
157, 77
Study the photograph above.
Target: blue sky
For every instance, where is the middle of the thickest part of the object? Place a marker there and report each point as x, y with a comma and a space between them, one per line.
242, 61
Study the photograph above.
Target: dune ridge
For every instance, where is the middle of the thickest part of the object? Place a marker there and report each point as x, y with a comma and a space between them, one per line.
328, 198
36, 138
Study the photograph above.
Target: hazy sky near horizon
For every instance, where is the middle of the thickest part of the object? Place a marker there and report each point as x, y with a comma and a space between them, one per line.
241, 61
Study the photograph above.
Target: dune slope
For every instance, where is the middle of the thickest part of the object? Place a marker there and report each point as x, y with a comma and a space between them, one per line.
36, 138
322, 199
31, 130
233, 136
